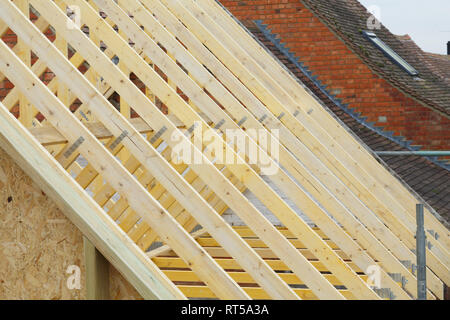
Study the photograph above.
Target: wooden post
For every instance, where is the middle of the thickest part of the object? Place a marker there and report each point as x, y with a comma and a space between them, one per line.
97, 272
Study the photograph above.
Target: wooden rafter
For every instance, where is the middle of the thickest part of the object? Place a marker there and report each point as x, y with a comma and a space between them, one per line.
294, 167
154, 118
390, 210
252, 181
82, 210
104, 162
364, 158
228, 82
189, 16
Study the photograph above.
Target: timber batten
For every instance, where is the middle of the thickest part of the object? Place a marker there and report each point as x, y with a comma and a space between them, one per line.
136, 72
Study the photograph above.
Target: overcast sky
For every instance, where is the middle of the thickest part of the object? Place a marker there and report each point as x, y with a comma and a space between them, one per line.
427, 22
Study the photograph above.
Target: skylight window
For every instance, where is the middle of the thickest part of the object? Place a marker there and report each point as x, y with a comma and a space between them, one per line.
390, 53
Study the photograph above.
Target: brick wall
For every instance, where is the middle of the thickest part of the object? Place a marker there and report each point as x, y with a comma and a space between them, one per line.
344, 73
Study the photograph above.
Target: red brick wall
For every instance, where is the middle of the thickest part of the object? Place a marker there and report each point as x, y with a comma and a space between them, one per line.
344, 73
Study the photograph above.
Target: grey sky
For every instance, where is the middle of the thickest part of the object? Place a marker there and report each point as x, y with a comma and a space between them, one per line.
427, 22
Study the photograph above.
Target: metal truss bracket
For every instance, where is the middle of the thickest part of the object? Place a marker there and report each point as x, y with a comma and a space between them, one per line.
397, 277
406, 263
434, 234
385, 293
413, 269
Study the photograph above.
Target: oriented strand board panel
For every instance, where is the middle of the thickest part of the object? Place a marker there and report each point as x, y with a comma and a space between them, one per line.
38, 243
119, 288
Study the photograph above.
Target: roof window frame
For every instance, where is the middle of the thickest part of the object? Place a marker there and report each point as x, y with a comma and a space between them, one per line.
390, 53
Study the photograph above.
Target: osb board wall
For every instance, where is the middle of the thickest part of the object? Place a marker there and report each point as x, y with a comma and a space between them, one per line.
38, 243
120, 289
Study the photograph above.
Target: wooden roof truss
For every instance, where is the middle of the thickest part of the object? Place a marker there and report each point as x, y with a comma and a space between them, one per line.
193, 58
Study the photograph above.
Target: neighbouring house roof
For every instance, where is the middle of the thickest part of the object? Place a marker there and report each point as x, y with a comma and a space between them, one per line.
348, 19
441, 64
438, 63
427, 178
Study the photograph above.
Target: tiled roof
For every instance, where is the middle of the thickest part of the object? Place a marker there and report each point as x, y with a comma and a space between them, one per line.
348, 18
428, 179
439, 64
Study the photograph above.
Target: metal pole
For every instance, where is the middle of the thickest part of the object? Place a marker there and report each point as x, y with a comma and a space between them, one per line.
421, 254
414, 153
